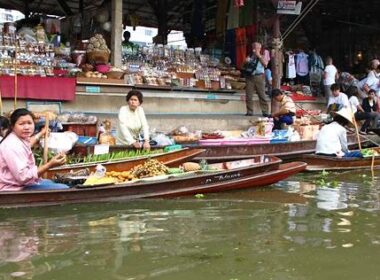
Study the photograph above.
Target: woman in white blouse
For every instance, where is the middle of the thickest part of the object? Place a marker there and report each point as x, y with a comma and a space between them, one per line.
132, 122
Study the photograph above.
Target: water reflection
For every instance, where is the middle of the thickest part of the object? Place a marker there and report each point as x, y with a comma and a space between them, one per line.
288, 231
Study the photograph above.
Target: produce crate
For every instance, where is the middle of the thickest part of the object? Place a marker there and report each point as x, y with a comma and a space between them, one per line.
81, 129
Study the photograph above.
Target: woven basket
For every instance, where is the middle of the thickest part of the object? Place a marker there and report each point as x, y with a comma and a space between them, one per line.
115, 74
237, 85
97, 57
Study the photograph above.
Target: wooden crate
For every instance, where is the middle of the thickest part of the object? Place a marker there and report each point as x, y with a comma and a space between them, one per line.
81, 129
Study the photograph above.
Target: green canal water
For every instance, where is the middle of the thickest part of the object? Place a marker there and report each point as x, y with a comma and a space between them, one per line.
295, 229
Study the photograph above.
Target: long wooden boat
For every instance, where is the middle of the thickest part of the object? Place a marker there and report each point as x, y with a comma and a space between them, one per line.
319, 163
168, 158
286, 151
250, 173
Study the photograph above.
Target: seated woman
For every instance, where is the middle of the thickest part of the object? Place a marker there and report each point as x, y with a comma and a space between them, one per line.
370, 106
286, 111
360, 113
132, 122
4, 126
18, 170
332, 138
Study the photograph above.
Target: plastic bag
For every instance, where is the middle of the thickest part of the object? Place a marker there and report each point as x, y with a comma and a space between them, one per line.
60, 141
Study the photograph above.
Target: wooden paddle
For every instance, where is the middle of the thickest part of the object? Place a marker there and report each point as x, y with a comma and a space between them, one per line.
357, 132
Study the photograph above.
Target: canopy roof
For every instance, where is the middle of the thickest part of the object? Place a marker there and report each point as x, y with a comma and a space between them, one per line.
145, 10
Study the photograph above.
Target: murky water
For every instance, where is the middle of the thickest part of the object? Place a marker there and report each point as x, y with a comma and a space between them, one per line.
293, 230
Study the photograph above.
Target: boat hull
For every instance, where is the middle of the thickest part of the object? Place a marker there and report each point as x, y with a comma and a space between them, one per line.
245, 177
319, 163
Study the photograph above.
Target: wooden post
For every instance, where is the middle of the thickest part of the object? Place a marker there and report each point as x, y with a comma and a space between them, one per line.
46, 147
162, 36
117, 32
276, 57
1, 103
15, 81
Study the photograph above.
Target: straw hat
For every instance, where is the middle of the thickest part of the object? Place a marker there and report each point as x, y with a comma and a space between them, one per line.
347, 114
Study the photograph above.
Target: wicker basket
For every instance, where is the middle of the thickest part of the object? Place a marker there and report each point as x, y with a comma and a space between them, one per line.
237, 85
115, 74
97, 57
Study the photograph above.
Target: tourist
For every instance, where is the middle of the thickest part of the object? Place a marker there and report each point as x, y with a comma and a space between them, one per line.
255, 79
18, 170
286, 111
329, 76
372, 81
358, 110
133, 129
338, 100
370, 106
332, 138
347, 81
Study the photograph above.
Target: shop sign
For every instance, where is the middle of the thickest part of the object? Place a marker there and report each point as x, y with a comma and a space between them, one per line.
289, 7
92, 89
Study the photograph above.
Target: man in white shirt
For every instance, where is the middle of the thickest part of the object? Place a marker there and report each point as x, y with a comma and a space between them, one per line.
329, 76
338, 100
372, 81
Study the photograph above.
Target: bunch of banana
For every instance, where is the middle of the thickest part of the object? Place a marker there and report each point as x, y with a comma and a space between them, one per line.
150, 168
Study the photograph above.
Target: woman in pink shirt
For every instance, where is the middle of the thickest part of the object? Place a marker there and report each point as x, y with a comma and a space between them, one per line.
18, 170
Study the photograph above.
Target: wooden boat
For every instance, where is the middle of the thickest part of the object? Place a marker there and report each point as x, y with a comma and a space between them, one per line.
250, 173
286, 150
319, 163
168, 158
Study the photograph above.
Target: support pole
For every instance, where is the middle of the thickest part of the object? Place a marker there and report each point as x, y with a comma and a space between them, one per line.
117, 32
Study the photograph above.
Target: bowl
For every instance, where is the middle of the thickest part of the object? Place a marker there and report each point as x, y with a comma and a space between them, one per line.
103, 68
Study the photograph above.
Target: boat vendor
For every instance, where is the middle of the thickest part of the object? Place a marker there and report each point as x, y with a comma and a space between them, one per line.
4, 126
332, 138
133, 129
338, 100
18, 170
286, 111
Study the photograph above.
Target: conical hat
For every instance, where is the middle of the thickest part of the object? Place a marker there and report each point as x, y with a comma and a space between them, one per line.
347, 114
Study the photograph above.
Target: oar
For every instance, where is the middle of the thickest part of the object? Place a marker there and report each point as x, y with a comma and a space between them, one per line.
357, 132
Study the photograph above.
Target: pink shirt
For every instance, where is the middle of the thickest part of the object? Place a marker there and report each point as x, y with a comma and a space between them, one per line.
17, 164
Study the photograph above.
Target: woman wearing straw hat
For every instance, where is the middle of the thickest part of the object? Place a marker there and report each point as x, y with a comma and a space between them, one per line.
332, 138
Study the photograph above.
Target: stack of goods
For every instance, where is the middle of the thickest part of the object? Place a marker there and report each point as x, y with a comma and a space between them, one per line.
27, 53
182, 135
306, 128
97, 50
105, 136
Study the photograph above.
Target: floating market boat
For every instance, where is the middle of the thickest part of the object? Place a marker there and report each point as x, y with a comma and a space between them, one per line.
249, 173
284, 150
170, 158
320, 163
